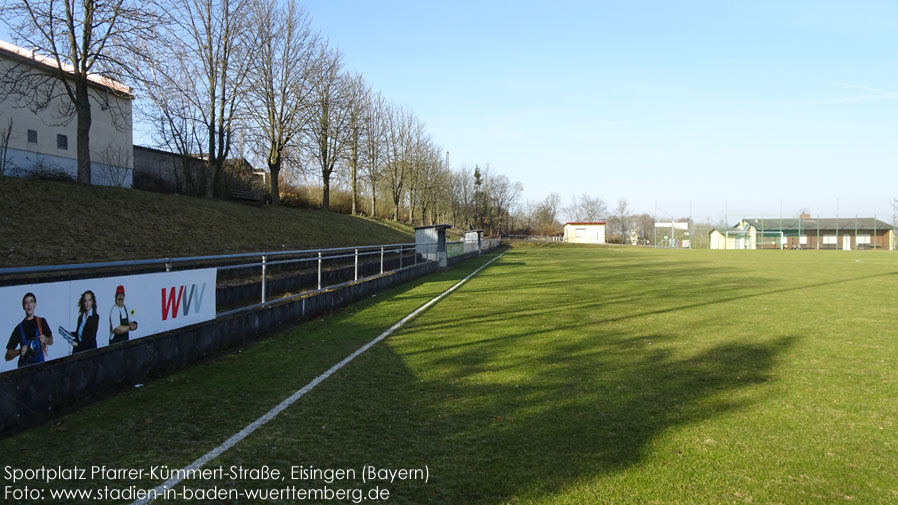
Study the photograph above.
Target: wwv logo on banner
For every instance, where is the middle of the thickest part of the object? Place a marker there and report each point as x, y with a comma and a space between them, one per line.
173, 301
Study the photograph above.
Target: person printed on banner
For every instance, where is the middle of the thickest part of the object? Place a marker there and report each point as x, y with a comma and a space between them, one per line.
88, 322
30, 338
120, 324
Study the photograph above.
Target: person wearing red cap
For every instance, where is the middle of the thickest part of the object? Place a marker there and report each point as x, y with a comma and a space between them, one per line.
120, 325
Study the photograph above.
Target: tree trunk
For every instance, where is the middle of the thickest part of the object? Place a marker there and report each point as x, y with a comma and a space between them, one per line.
326, 193
355, 186
82, 109
373, 200
275, 170
186, 168
210, 178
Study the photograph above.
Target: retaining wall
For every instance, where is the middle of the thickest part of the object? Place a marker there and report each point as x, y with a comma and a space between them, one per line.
33, 394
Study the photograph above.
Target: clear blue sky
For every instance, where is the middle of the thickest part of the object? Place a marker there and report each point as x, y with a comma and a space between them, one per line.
736, 105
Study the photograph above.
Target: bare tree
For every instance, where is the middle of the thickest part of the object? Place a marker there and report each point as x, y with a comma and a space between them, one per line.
375, 140
327, 129
545, 214
592, 208
419, 144
398, 123
116, 157
432, 176
587, 208
280, 86
208, 51
167, 84
623, 217
461, 187
573, 211
357, 108
503, 194
78, 44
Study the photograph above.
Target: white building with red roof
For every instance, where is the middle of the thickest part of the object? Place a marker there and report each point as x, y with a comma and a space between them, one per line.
42, 140
585, 232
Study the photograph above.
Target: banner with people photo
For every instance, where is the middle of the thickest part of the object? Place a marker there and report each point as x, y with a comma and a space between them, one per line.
53, 320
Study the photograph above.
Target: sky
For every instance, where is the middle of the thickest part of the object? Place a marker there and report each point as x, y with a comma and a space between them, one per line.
703, 108
709, 109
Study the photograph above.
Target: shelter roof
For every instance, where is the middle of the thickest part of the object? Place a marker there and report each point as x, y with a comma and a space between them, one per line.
823, 224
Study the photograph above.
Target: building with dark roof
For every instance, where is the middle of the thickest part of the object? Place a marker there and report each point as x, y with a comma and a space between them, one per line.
806, 233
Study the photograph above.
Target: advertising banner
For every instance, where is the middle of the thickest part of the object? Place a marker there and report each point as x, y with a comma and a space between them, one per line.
46, 321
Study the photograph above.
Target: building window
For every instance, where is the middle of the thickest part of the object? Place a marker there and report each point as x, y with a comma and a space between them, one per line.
62, 142
829, 240
32, 136
580, 232
863, 239
803, 240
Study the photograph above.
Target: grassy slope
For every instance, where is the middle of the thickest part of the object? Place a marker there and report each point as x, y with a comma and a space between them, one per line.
598, 375
55, 222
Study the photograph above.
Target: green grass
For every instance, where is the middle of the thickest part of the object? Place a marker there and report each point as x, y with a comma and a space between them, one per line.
44, 222
557, 376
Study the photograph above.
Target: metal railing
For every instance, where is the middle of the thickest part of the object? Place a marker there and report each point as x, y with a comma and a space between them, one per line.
459, 247
384, 256
533, 238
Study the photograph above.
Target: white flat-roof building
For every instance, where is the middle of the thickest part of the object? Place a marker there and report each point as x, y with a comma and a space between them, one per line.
43, 141
585, 232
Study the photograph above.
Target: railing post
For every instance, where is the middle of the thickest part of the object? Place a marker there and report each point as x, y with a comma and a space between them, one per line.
319, 269
381, 260
416, 255
263, 279
168, 265
400, 257
356, 264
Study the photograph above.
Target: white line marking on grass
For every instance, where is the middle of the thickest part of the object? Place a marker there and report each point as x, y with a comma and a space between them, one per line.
268, 416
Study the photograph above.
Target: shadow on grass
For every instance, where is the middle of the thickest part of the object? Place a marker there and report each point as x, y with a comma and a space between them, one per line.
491, 428
503, 409
498, 407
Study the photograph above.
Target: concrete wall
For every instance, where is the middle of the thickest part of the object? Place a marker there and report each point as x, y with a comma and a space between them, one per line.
33, 394
162, 171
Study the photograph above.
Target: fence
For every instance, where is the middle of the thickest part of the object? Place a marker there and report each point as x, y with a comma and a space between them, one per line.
311, 270
308, 283
461, 247
288, 274
533, 238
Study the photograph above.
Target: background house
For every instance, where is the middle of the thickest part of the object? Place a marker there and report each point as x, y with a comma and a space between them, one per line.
585, 232
43, 142
806, 233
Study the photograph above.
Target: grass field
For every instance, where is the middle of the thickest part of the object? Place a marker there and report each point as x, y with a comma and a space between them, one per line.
557, 375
